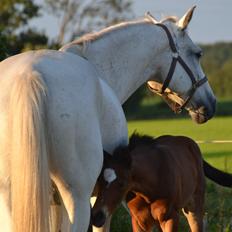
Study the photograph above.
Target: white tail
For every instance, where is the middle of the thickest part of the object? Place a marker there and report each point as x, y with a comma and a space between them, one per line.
29, 159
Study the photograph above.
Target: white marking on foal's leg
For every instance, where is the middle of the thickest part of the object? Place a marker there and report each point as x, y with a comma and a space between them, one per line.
109, 175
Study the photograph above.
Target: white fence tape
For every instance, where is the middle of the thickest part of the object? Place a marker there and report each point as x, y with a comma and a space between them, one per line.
213, 141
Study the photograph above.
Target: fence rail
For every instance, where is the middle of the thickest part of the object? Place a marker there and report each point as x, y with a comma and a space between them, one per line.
213, 141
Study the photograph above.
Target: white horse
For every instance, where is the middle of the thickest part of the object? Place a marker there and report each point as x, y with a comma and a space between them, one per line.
60, 109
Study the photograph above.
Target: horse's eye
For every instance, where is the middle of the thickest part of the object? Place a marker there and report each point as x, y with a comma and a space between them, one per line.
199, 54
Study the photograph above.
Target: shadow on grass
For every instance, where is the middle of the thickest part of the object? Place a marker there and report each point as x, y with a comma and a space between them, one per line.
217, 154
160, 110
224, 108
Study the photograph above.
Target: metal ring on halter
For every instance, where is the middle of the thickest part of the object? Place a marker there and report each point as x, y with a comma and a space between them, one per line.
177, 58
175, 55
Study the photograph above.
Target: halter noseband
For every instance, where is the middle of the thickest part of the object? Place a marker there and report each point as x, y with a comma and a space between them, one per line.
177, 58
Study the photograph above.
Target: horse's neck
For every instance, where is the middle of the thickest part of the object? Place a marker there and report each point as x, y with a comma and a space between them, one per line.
122, 57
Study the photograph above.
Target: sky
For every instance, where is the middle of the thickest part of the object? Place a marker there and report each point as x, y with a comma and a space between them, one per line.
211, 21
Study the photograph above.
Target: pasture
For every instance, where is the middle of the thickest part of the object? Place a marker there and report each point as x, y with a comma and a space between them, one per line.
218, 203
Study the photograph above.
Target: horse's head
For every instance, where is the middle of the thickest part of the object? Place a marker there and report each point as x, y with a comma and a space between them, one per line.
180, 79
113, 184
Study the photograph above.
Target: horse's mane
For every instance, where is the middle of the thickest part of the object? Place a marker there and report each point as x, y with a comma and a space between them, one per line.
122, 153
97, 35
137, 139
172, 19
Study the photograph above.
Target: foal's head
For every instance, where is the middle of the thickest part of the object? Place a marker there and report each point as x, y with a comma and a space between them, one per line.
113, 184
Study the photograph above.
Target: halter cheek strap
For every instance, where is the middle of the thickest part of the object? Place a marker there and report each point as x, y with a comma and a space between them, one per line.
177, 58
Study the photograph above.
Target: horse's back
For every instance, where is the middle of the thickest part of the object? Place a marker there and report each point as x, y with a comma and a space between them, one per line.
71, 81
181, 146
72, 85
73, 100
173, 164
185, 160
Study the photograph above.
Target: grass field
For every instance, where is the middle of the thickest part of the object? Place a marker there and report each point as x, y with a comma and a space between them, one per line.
218, 205
219, 128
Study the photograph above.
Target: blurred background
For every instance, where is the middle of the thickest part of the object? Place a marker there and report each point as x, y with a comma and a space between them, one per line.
36, 24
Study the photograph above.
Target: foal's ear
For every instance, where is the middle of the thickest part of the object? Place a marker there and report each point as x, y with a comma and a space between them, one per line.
185, 20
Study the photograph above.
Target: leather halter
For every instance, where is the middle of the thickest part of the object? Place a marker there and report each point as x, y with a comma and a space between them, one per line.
177, 58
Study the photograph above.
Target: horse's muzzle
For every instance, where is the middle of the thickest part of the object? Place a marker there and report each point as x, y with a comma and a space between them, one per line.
203, 114
98, 219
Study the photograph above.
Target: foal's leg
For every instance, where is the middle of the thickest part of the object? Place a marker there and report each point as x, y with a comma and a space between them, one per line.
194, 211
135, 225
166, 215
142, 219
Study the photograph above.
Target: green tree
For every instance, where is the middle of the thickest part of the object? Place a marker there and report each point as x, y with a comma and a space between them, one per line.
217, 65
3, 50
15, 14
15, 35
221, 80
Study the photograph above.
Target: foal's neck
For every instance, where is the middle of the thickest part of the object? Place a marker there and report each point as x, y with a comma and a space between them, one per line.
126, 56
143, 175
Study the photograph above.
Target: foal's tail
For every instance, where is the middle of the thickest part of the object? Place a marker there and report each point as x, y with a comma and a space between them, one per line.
29, 158
219, 177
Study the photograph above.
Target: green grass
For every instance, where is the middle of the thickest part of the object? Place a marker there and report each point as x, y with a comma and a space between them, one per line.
218, 205
156, 108
219, 128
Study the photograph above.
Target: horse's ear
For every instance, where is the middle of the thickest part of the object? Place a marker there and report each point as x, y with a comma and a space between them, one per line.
151, 17
184, 21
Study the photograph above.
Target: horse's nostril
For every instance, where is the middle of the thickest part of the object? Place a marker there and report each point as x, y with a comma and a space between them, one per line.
98, 219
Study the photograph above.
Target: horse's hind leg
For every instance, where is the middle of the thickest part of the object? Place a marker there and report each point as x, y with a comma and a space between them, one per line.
166, 215
76, 194
194, 211
194, 215
74, 171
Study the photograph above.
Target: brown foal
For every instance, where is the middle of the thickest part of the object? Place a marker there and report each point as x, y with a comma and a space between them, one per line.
157, 177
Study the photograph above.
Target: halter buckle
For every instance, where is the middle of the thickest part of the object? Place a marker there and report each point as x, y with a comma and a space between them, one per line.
178, 110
